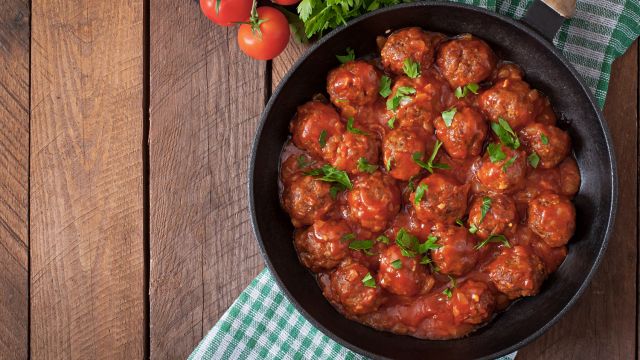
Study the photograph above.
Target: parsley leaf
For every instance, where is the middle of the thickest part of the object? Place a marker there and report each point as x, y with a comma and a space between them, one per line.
352, 129
350, 56
369, 281
401, 94
484, 208
408, 243
473, 229
397, 264
429, 165
447, 116
411, 185
449, 290
335, 189
459, 222
462, 91
391, 122
323, 138
330, 174
534, 160
506, 135
385, 86
364, 245
493, 239
509, 162
383, 239
364, 166
544, 139
422, 188
387, 165
348, 237
411, 68
495, 153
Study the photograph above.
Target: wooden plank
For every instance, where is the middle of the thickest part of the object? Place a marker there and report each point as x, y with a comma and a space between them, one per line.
206, 97
87, 278
14, 179
602, 325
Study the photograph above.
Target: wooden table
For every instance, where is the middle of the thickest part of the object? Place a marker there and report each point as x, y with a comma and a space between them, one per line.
124, 145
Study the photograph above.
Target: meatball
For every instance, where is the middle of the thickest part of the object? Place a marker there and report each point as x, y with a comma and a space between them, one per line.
569, 177
456, 255
507, 70
313, 121
502, 175
321, 246
350, 291
294, 166
465, 60
512, 100
419, 109
346, 151
409, 43
517, 272
374, 118
443, 200
398, 147
472, 302
553, 218
374, 201
352, 85
307, 200
403, 275
552, 257
550, 143
501, 215
464, 136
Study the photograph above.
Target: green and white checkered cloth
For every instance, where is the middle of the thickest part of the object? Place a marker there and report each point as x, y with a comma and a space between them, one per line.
262, 324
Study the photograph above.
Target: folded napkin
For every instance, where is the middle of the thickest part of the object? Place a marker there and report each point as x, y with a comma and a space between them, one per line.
263, 324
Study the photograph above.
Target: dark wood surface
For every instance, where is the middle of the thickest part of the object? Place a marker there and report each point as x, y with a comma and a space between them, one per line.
135, 236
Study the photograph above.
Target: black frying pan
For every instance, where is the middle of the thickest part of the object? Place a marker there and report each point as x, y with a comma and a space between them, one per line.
545, 70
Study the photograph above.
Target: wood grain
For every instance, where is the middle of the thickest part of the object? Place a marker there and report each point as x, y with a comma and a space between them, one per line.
600, 326
87, 276
14, 178
205, 97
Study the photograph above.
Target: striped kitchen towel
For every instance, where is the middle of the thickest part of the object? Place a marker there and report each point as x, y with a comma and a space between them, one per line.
262, 324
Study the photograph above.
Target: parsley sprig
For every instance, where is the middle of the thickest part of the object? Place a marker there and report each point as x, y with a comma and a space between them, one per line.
402, 94
420, 191
330, 174
411, 247
506, 134
429, 165
495, 238
462, 91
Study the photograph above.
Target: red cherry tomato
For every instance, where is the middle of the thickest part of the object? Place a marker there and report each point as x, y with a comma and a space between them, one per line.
272, 38
285, 2
230, 11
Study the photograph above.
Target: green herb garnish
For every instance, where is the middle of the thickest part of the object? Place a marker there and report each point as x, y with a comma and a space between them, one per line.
429, 165
506, 135
323, 138
383, 239
484, 208
402, 93
533, 159
352, 129
447, 116
422, 188
330, 174
348, 237
509, 162
493, 239
391, 122
364, 166
302, 162
385, 86
397, 264
544, 139
350, 56
449, 291
364, 245
369, 281
495, 153
462, 91
387, 165
411, 68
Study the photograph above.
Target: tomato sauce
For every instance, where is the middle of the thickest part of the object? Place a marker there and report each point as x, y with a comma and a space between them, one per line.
429, 187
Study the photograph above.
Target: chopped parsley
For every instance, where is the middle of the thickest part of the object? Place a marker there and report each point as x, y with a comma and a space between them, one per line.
484, 208
447, 116
387, 165
430, 244
323, 138
449, 290
397, 264
429, 164
509, 162
462, 91
506, 135
350, 56
391, 122
494, 239
369, 281
348, 237
411, 68
352, 129
364, 245
495, 153
459, 222
422, 188
533, 159
330, 174
335, 189
385, 86
364, 166
383, 239
411, 185
473, 229
402, 93
544, 139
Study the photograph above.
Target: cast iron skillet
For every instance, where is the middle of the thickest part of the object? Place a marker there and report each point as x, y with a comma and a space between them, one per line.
546, 70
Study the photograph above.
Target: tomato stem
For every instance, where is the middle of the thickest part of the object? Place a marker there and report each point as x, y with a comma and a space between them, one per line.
255, 20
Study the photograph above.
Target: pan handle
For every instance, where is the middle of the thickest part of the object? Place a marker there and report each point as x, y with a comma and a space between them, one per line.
546, 16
